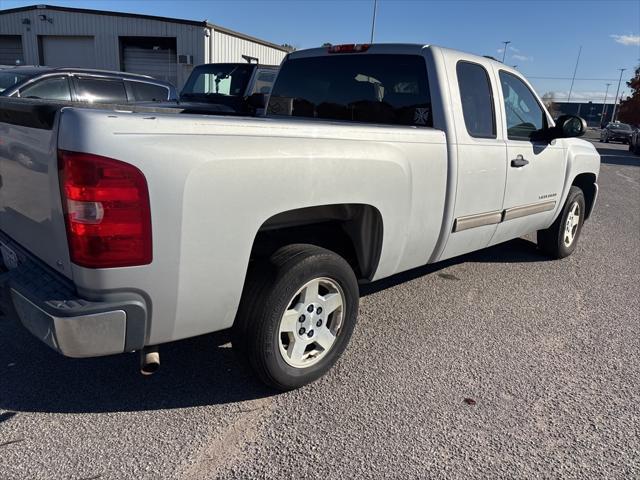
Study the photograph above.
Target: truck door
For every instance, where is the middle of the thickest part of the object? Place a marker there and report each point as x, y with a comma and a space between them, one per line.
535, 169
481, 155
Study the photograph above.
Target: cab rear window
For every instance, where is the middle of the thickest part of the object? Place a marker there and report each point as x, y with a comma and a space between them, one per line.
373, 88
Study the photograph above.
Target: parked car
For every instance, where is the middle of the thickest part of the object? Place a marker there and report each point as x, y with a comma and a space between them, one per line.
227, 88
634, 141
615, 131
80, 85
372, 160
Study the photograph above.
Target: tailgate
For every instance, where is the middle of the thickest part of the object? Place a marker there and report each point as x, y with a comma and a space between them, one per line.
30, 205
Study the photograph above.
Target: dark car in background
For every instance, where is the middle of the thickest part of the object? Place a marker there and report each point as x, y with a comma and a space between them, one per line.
634, 141
616, 131
82, 85
228, 88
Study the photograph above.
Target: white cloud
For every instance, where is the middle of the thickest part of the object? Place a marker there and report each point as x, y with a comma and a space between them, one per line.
522, 58
511, 49
627, 39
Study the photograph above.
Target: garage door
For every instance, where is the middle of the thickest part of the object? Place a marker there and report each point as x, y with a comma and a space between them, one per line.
11, 49
68, 51
150, 56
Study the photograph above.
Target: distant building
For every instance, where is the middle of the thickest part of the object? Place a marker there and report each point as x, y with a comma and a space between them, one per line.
590, 111
165, 48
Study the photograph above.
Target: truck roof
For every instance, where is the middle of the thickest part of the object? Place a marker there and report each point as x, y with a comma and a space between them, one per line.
404, 49
32, 70
392, 48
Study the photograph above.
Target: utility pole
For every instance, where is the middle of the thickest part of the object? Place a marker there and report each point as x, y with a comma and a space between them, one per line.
615, 104
573, 79
504, 52
373, 21
604, 105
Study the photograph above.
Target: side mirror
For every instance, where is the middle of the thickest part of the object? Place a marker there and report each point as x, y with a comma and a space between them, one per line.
568, 126
257, 100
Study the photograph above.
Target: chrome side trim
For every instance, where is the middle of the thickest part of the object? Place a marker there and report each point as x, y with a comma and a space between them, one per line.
477, 220
524, 210
491, 218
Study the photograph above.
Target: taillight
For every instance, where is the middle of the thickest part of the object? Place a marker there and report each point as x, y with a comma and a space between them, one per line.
349, 48
106, 210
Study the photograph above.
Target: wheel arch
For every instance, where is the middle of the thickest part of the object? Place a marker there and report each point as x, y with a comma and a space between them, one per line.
587, 183
352, 230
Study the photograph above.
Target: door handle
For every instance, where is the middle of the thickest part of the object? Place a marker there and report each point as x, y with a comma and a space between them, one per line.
519, 162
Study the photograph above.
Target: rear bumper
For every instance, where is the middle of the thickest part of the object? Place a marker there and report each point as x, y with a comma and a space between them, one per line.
51, 309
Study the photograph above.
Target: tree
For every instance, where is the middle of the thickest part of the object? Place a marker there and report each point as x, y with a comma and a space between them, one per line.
291, 48
629, 111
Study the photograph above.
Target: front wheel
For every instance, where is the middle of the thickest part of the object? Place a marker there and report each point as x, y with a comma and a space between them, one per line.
297, 315
561, 238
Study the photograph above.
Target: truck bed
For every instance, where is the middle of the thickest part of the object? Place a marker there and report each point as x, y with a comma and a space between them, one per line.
213, 182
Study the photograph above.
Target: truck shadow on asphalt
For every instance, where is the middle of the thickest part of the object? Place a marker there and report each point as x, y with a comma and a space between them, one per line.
514, 251
198, 371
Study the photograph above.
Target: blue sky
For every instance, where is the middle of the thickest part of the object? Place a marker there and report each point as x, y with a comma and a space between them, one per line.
545, 34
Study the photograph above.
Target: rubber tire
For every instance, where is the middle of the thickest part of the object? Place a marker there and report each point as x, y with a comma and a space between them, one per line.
551, 240
270, 286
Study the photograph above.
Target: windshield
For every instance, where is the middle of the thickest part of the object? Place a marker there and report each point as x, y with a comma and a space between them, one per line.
9, 79
620, 126
226, 79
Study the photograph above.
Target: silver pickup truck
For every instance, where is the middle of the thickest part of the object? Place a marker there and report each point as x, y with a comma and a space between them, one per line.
122, 229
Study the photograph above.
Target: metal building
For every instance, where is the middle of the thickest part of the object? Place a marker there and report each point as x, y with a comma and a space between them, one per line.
166, 48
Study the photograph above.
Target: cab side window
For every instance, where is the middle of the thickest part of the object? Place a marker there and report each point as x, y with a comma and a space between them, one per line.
524, 113
53, 88
101, 90
477, 100
148, 92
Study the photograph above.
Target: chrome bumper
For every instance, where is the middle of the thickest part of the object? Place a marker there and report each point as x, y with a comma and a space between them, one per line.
89, 335
51, 308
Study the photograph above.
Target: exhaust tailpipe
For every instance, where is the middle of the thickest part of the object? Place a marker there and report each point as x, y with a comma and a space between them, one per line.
149, 360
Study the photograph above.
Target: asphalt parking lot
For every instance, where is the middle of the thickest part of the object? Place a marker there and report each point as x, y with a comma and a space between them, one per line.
498, 363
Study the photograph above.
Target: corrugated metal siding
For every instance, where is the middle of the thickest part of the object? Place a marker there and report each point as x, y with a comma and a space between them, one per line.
106, 30
190, 39
228, 48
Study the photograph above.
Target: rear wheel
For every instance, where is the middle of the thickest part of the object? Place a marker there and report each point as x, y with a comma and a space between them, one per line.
561, 238
297, 315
